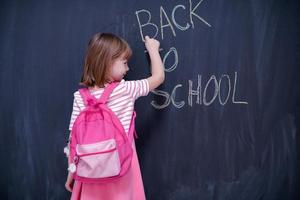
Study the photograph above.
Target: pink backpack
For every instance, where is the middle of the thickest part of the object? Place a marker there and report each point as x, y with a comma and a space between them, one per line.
100, 149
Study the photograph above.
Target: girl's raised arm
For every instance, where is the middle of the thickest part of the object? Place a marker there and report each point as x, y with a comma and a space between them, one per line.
157, 69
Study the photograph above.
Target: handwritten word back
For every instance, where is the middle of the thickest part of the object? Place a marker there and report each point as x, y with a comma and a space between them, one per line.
171, 23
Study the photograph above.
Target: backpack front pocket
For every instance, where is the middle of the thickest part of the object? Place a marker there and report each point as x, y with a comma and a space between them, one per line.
98, 160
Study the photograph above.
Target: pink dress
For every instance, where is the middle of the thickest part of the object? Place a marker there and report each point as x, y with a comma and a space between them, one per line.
129, 187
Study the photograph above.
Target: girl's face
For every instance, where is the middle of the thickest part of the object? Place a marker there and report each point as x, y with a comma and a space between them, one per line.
118, 70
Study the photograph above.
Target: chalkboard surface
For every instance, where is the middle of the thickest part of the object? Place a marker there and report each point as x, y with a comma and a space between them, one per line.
224, 125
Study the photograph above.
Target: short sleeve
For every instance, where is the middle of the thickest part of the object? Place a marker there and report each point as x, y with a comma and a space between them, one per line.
75, 113
137, 88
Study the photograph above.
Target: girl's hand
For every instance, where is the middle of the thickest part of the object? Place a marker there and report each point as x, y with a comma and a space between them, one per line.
157, 67
69, 182
151, 44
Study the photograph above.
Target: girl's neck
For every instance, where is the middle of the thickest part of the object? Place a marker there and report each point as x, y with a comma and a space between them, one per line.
96, 87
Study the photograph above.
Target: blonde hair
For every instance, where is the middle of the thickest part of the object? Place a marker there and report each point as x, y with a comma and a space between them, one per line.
103, 49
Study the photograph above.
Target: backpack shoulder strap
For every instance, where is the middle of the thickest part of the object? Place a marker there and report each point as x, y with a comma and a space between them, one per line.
89, 99
108, 90
86, 96
131, 131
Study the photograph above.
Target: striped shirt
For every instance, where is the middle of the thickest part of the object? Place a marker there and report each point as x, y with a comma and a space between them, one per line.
121, 100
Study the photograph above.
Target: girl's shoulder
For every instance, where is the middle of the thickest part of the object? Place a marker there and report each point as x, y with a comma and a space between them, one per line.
134, 88
96, 93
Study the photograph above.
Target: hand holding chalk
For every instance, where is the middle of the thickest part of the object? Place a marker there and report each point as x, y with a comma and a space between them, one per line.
151, 44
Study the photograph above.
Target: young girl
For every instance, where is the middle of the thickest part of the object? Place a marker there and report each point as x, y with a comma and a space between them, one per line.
105, 62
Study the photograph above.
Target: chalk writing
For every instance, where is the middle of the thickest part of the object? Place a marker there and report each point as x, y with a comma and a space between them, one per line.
196, 93
169, 23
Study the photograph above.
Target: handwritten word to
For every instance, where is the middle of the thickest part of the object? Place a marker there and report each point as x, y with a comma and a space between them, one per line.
170, 23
